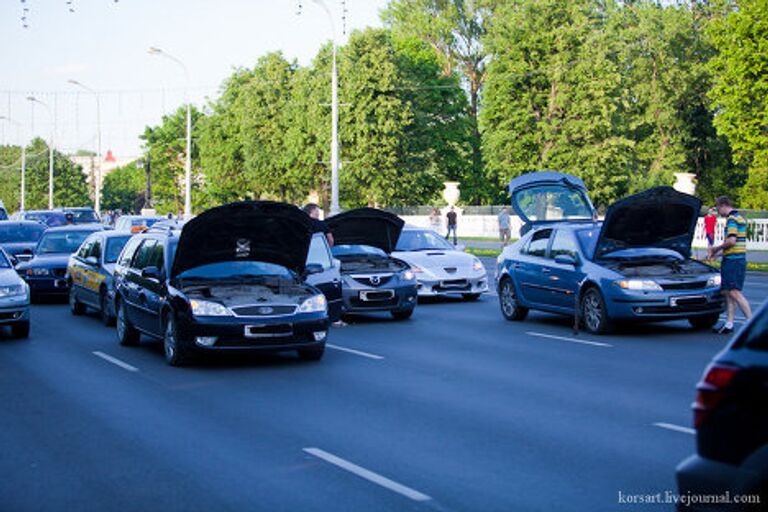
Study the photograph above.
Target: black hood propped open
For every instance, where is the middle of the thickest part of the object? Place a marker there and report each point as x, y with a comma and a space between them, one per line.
366, 226
265, 231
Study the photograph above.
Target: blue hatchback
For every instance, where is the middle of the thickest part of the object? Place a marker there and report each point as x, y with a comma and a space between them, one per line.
635, 265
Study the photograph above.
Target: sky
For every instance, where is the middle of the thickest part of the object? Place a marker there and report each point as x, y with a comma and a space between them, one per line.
103, 44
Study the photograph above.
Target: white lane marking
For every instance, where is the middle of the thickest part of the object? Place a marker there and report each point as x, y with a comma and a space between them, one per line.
114, 360
675, 428
572, 340
353, 351
368, 475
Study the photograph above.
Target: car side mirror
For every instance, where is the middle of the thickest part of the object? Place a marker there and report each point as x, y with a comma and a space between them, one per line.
151, 273
92, 260
313, 268
566, 259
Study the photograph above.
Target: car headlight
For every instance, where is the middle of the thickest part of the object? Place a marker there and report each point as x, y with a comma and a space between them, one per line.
314, 304
206, 308
15, 290
639, 285
408, 275
477, 265
38, 271
715, 280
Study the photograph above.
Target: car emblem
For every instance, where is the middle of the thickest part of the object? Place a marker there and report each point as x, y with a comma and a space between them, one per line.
243, 248
265, 310
375, 280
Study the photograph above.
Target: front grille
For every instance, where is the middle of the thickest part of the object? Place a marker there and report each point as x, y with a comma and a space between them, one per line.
374, 280
59, 272
264, 310
684, 285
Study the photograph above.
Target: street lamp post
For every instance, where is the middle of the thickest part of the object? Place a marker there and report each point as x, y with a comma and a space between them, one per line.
23, 160
52, 116
98, 177
334, 116
188, 163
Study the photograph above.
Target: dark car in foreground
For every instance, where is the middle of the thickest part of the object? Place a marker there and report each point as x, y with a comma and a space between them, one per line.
18, 236
45, 269
232, 279
731, 421
373, 281
89, 274
635, 265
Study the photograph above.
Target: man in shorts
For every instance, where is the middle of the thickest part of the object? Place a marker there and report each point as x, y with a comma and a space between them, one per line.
505, 230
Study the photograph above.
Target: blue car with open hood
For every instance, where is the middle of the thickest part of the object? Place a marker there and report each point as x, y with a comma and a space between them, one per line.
635, 265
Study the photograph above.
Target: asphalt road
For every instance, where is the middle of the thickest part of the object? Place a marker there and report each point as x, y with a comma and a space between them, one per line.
456, 409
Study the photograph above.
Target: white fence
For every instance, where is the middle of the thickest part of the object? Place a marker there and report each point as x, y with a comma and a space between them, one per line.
487, 226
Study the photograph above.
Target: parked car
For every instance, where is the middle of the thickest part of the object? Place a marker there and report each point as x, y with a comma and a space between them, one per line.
19, 236
81, 215
635, 265
45, 269
373, 280
3, 212
136, 223
440, 268
731, 421
232, 279
14, 299
50, 218
89, 274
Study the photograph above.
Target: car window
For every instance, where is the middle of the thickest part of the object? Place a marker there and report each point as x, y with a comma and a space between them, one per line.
96, 249
422, 240
553, 202
318, 252
114, 246
144, 254
537, 246
563, 243
21, 233
4, 263
127, 254
156, 257
82, 253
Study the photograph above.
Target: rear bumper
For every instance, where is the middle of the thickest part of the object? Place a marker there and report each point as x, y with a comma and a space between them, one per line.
715, 486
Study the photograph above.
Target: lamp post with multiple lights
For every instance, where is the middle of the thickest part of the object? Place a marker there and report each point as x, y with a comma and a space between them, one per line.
98, 176
52, 117
23, 160
188, 163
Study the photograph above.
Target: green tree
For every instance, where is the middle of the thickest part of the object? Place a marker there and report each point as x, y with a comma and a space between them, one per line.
124, 188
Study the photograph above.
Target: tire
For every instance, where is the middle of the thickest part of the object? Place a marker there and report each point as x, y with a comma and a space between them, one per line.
106, 318
594, 314
127, 335
510, 308
20, 329
403, 314
76, 307
469, 297
177, 352
311, 354
704, 322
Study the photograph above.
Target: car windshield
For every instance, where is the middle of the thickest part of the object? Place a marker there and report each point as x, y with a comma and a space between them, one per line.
422, 240
236, 269
114, 246
61, 242
357, 250
588, 240
51, 219
20, 233
84, 216
4, 263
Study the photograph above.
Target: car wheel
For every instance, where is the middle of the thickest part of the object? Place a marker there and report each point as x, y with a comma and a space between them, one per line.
510, 308
704, 322
127, 335
311, 354
594, 313
76, 307
106, 318
403, 314
470, 296
20, 329
177, 352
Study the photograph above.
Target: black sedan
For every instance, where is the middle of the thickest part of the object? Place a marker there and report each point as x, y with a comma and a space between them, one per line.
231, 280
373, 281
17, 236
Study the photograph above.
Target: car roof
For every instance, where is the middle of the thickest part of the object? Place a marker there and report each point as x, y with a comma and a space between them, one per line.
21, 223
77, 227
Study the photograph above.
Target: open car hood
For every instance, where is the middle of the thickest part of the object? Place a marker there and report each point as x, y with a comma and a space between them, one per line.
548, 196
245, 231
366, 226
659, 217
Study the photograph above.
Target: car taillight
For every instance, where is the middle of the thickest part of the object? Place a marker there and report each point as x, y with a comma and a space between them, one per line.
710, 391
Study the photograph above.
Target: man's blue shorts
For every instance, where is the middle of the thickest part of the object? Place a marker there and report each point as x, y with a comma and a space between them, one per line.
732, 272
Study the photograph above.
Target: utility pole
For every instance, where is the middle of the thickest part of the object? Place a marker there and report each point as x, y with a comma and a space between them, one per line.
98, 177
52, 117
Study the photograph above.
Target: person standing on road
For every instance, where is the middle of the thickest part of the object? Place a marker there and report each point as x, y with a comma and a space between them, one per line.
733, 267
710, 222
451, 216
434, 220
504, 227
318, 225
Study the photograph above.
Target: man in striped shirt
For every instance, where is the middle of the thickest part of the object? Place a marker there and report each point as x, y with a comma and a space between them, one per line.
733, 268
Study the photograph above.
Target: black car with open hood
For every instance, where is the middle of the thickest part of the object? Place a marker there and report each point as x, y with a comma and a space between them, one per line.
373, 281
231, 279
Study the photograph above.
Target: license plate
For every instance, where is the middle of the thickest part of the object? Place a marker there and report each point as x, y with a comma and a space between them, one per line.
686, 300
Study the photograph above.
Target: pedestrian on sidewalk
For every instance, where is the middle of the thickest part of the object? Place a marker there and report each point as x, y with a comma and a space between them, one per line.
505, 231
733, 266
451, 216
710, 222
434, 220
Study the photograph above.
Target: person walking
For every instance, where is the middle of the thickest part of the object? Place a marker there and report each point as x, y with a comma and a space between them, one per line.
451, 216
710, 222
434, 219
733, 267
505, 230
318, 225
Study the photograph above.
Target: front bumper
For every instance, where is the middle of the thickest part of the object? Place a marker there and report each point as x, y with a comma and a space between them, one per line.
436, 287
664, 305
365, 300
706, 478
12, 310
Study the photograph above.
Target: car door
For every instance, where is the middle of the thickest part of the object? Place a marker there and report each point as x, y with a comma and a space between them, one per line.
562, 279
93, 276
329, 280
152, 290
531, 283
135, 293
77, 269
